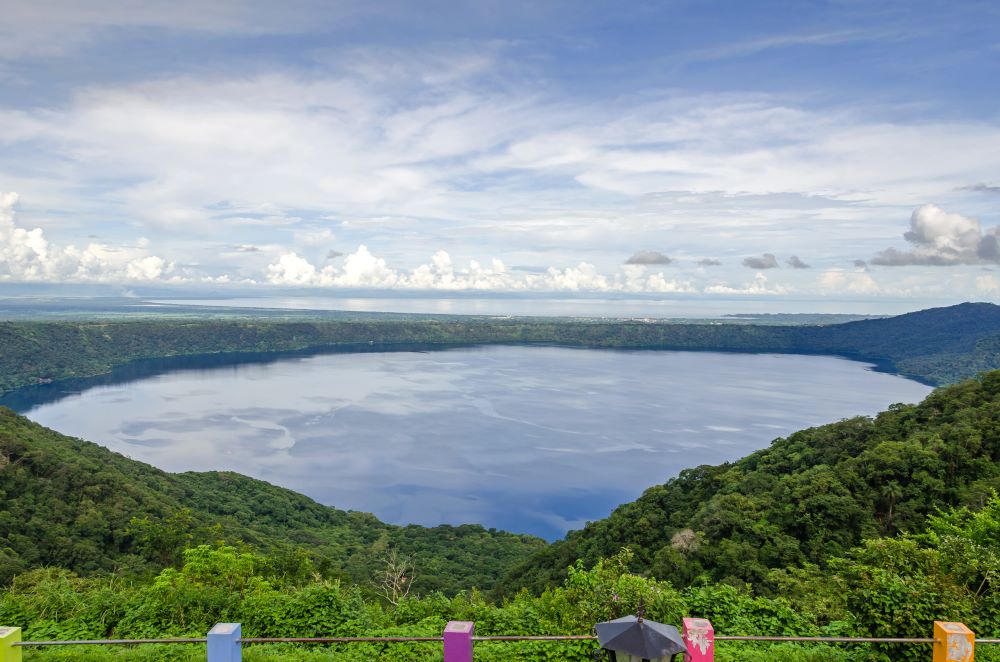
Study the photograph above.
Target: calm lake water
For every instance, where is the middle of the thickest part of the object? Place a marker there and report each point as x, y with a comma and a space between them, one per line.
529, 439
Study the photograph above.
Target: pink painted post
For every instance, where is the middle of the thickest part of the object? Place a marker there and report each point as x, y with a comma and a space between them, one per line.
458, 641
699, 637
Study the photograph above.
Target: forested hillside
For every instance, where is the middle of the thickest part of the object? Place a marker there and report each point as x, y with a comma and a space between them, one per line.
77, 505
938, 346
805, 499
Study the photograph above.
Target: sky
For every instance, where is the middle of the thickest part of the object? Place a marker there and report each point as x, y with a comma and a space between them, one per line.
840, 149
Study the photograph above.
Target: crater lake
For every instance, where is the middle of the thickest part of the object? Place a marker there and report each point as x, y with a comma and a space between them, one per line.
529, 439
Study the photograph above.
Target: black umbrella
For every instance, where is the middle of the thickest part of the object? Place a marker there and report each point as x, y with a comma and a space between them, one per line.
646, 639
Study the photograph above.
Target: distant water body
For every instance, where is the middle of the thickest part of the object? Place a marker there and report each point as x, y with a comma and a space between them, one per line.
545, 306
529, 439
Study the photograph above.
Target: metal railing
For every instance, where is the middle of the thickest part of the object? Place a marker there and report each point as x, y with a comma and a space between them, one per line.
951, 642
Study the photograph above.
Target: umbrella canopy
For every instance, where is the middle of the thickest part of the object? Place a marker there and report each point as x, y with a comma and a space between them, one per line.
646, 639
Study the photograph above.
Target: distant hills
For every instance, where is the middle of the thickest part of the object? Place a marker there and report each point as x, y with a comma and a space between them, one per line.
74, 504
936, 346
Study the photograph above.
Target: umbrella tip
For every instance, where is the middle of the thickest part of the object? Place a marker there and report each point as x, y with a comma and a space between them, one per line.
640, 610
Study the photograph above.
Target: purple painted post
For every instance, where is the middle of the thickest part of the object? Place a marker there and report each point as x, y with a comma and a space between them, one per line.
458, 641
699, 637
224, 643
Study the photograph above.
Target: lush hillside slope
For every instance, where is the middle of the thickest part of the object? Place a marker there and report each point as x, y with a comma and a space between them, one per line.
804, 499
937, 346
77, 505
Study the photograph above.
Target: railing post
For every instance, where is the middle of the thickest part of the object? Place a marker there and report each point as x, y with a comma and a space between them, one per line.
953, 642
699, 637
224, 643
458, 641
8, 651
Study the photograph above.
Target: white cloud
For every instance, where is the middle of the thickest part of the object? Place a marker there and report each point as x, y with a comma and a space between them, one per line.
942, 239
362, 269
839, 281
290, 269
658, 283
759, 285
26, 255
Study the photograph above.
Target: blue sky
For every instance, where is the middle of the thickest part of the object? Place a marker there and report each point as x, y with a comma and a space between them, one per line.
775, 149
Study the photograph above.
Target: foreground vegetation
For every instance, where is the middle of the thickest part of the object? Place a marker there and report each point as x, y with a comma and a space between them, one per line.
937, 346
885, 587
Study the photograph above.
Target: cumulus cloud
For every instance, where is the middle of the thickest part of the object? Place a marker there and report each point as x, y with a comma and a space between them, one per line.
709, 262
648, 257
795, 263
941, 238
362, 269
27, 255
290, 269
584, 276
759, 285
765, 261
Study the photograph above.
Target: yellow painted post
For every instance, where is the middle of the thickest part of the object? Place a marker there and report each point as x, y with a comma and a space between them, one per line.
8, 651
953, 642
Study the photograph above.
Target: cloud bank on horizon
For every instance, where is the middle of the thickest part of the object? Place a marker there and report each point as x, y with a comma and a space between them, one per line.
649, 149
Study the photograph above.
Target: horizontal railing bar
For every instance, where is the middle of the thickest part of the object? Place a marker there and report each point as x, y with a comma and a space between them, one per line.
574, 637
542, 637
334, 640
111, 642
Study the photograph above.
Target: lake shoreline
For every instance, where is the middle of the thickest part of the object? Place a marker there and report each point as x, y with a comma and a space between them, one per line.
433, 434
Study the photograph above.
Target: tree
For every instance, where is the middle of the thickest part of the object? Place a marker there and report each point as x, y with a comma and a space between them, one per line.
395, 577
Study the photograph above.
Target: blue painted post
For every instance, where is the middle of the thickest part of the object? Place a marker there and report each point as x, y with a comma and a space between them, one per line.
458, 641
8, 651
224, 643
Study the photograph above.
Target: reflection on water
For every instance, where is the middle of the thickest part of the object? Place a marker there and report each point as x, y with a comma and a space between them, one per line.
530, 439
